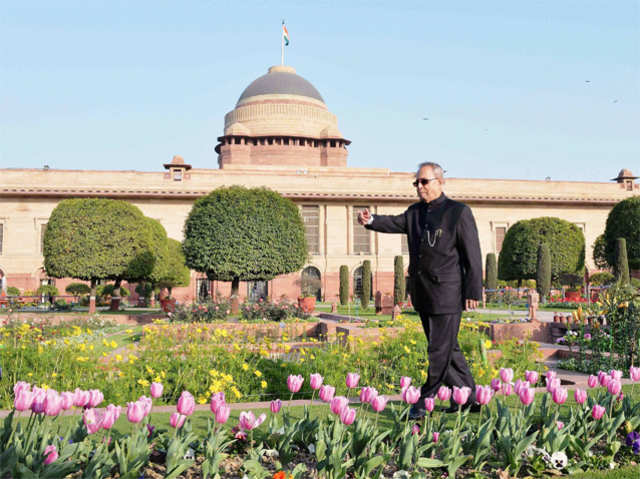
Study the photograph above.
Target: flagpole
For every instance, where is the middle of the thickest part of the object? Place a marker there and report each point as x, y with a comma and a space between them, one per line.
282, 44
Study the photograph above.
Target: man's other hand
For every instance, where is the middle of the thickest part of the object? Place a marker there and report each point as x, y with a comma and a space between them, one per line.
470, 304
364, 216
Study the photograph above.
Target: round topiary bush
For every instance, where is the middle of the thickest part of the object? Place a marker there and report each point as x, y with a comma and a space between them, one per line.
624, 222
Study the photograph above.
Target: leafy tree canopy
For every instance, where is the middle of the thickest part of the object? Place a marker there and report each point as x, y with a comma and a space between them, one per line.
518, 258
624, 222
247, 234
97, 238
176, 272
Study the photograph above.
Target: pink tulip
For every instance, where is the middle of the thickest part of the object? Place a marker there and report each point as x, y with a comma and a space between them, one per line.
110, 416
634, 373
483, 395
315, 381
186, 403
507, 389
21, 386
614, 387
559, 395
531, 376
444, 393
367, 394
135, 411
81, 398
347, 416
177, 420
352, 380
247, 420
39, 395
527, 396
429, 404
411, 395
461, 395
23, 400
580, 395
506, 375
592, 382
275, 406
379, 403
50, 453
597, 412
92, 420
327, 392
553, 384
294, 383
496, 384
550, 375
95, 397
67, 400
415, 429
560, 424
603, 378
338, 404
217, 400
616, 374
520, 384
436, 436
147, 403
405, 382
156, 390
222, 415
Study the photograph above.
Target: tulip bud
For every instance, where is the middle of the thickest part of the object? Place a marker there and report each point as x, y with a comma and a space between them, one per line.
527, 396
156, 390
559, 395
495, 384
531, 376
223, 413
405, 382
592, 382
275, 406
483, 395
580, 395
315, 381
177, 420
411, 395
436, 436
444, 393
294, 383
186, 404
597, 412
327, 392
379, 403
352, 380
461, 395
347, 416
506, 375
51, 454
429, 404
338, 404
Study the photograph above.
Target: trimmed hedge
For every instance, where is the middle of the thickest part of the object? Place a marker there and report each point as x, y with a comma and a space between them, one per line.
624, 222
344, 285
366, 283
398, 280
543, 273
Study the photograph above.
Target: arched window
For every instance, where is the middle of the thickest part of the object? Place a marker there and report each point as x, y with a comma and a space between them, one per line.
311, 282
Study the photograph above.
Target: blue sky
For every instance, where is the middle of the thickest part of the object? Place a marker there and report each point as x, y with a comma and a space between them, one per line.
510, 89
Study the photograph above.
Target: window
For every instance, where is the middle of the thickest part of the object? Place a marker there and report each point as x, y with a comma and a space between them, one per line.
203, 289
311, 219
43, 229
404, 244
361, 235
177, 174
501, 231
357, 282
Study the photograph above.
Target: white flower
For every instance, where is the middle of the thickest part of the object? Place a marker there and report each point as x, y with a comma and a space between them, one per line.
401, 475
559, 460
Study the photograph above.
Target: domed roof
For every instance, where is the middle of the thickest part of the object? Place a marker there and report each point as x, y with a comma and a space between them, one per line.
625, 174
281, 80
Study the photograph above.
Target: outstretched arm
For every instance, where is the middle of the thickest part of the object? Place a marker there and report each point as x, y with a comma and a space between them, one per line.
383, 223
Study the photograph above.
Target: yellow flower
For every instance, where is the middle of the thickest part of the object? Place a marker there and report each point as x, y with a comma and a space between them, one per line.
143, 382
236, 392
129, 331
114, 344
202, 400
118, 357
29, 374
245, 366
44, 386
407, 350
488, 344
263, 384
412, 341
149, 370
54, 374
162, 373
257, 373
157, 379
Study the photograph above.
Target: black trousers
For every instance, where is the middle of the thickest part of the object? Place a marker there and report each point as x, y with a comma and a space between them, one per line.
447, 365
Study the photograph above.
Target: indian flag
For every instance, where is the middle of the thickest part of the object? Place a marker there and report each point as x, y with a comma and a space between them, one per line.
285, 34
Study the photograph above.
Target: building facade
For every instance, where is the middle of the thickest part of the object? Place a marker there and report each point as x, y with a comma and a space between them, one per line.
281, 135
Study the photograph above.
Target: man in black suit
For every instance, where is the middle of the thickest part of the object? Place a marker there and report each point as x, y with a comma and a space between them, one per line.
445, 274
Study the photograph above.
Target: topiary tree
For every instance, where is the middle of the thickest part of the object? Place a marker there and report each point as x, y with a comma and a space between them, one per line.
622, 263
366, 283
543, 272
491, 271
398, 280
77, 289
602, 279
344, 285
176, 273
624, 222
599, 253
97, 238
235, 234
519, 256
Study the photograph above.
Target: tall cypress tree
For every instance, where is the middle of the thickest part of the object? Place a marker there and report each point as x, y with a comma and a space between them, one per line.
398, 280
622, 263
543, 271
366, 284
491, 271
344, 285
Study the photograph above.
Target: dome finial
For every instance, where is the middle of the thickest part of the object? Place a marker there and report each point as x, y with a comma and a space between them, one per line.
282, 69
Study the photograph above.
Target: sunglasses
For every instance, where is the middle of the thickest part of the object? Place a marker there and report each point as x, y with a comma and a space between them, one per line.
423, 181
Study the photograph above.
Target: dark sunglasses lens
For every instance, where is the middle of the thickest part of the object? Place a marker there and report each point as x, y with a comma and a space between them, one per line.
422, 181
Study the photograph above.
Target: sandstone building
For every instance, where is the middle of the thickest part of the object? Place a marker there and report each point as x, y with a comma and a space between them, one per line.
282, 135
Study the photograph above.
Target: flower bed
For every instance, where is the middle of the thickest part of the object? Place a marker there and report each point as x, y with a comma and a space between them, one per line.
531, 435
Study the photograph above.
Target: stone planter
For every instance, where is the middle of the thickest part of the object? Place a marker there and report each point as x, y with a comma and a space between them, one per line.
307, 304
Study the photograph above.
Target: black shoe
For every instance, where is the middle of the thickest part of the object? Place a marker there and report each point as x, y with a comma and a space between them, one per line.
472, 407
417, 412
